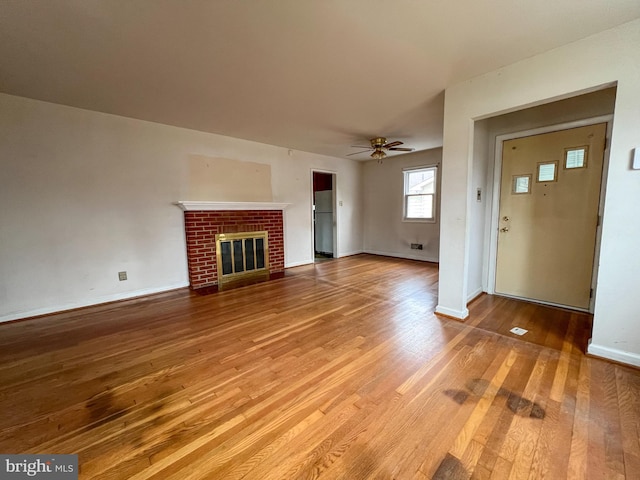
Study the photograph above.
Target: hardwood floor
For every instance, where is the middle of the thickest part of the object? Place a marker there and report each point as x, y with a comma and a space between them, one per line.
337, 370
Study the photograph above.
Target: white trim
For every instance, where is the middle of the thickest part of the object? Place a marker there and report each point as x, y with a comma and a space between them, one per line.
402, 255
106, 299
421, 220
298, 264
472, 295
613, 354
350, 254
603, 192
420, 167
495, 194
189, 206
450, 312
311, 262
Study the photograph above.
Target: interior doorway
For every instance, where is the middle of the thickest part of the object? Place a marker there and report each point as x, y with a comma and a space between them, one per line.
550, 189
324, 215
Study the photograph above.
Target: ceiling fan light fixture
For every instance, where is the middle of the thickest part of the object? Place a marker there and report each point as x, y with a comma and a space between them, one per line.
378, 154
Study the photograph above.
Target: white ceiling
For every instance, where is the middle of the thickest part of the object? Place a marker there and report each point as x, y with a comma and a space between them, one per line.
311, 75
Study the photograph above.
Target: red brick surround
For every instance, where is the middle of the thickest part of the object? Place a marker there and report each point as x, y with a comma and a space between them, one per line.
202, 226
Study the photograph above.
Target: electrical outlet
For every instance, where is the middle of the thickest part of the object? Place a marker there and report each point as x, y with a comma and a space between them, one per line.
416, 246
122, 276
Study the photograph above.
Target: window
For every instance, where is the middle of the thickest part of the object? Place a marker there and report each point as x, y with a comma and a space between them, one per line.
521, 184
547, 172
575, 158
420, 194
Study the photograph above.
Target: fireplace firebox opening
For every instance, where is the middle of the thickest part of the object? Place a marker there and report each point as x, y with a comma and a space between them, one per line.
242, 256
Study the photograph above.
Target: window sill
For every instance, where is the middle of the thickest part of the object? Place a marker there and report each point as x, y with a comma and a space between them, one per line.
419, 220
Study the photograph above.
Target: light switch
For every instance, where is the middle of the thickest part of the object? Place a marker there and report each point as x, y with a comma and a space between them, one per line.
636, 158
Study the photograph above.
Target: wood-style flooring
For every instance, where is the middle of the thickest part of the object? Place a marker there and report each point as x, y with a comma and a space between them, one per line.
338, 370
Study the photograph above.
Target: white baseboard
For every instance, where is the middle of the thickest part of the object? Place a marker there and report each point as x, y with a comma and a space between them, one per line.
474, 294
403, 255
614, 354
450, 312
349, 254
311, 261
298, 264
98, 301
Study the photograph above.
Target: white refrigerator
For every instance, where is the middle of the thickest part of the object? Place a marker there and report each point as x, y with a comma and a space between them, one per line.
324, 222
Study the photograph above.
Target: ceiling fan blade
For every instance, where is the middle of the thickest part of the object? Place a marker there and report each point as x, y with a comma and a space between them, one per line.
357, 153
392, 144
362, 146
401, 149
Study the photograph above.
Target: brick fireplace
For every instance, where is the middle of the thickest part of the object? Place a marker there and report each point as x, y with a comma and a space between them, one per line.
204, 220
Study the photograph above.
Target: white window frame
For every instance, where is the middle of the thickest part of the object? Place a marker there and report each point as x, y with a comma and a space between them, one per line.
405, 176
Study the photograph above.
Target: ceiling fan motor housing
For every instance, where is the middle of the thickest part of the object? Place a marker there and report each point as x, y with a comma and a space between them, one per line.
378, 142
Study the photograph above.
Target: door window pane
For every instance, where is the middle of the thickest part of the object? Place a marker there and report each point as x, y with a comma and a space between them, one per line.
521, 184
547, 171
575, 158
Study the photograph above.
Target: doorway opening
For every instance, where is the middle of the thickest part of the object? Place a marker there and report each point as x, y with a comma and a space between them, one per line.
548, 215
547, 208
551, 171
324, 216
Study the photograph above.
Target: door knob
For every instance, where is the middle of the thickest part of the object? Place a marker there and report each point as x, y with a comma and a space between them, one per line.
504, 229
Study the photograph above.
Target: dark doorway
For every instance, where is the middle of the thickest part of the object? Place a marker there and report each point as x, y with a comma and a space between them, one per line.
323, 215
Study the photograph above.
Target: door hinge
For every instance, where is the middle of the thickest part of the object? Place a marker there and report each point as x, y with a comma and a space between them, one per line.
605, 143
599, 222
591, 293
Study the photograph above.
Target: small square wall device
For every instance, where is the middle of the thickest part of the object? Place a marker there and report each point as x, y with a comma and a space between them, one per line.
636, 158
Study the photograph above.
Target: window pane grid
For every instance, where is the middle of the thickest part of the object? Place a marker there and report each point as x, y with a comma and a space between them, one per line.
420, 206
420, 182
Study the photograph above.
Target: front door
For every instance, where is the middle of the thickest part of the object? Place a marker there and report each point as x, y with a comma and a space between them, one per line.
549, 199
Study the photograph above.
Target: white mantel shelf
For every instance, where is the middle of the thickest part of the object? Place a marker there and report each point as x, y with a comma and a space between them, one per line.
193, 206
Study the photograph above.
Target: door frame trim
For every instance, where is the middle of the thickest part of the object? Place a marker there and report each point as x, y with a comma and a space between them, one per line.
492, 253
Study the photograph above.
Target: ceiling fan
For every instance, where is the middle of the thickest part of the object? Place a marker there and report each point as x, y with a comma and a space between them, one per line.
379, 145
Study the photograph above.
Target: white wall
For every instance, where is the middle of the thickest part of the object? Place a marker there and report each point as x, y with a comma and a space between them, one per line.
478, 212
602, 59
85, 195
385, 233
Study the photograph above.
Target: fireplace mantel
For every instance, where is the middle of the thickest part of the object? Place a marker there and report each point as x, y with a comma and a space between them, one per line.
246, 206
